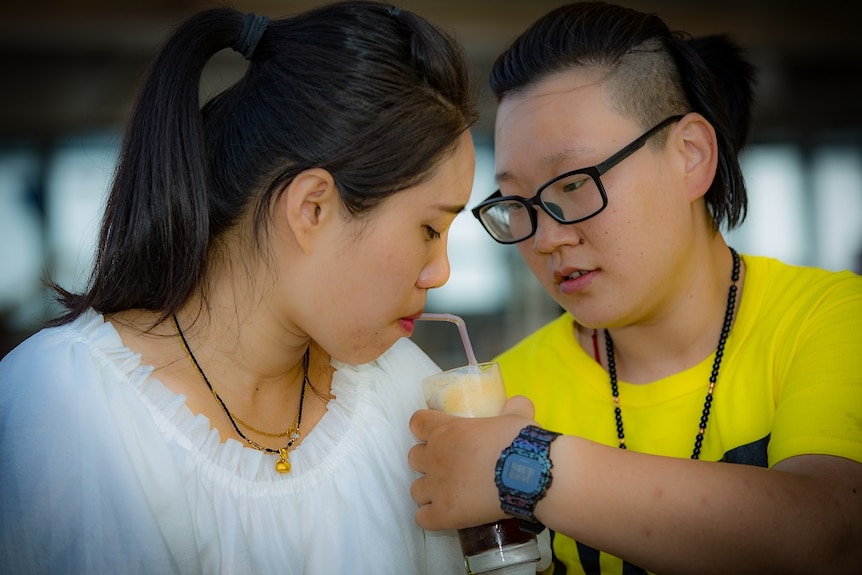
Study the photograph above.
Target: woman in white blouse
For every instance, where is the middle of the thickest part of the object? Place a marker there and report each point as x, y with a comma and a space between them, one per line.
231, 392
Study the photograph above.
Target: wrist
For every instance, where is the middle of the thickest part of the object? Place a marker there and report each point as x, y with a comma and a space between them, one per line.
523, 474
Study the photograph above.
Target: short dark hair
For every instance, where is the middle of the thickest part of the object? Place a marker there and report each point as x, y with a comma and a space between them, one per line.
375, 95
652, 73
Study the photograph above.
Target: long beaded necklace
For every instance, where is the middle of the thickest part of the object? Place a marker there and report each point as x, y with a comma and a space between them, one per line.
719, 353
282, 465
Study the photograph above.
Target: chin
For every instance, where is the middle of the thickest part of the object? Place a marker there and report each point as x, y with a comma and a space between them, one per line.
367, 353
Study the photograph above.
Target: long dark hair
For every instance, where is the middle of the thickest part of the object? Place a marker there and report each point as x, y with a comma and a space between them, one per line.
375, 95
653, 73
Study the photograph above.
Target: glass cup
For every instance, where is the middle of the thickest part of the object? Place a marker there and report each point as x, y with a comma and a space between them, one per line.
477, 390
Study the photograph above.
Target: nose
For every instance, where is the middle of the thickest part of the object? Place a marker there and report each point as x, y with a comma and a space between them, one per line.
551, 234
436, 271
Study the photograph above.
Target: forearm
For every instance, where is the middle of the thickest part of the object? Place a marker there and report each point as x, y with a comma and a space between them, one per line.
684, 516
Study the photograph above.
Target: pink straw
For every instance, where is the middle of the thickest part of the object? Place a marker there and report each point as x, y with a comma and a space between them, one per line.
462, 329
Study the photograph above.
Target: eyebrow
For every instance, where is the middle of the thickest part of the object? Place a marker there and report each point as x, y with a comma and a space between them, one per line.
549, 162
451, 209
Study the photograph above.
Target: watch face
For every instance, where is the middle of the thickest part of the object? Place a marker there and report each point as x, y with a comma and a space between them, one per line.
522, 473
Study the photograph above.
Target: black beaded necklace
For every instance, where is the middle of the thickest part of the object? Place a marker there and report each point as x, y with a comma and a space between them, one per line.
719, 353
282, 465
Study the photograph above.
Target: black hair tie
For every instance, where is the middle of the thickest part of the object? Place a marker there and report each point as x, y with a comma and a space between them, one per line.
253, 28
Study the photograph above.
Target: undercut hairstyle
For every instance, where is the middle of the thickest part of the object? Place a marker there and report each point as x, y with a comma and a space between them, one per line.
651, 73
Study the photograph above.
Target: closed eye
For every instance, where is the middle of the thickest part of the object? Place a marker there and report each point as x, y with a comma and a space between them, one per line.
432, 233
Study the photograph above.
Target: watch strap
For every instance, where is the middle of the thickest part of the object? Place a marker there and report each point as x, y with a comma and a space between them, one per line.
533, 442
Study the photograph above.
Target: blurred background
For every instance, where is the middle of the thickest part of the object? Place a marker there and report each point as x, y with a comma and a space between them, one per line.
68, 72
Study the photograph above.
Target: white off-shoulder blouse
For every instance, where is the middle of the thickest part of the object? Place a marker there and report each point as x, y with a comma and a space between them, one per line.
105, 470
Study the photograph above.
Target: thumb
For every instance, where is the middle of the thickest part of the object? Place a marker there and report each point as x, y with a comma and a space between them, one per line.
521, 406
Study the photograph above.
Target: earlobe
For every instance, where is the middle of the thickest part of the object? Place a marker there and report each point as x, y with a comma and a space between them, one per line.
700, 153
310, 201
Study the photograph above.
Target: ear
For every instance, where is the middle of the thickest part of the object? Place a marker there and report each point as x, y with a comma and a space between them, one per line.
699, 153
311, 201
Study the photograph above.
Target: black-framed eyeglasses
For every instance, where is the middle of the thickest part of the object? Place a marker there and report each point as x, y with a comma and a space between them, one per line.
568, 198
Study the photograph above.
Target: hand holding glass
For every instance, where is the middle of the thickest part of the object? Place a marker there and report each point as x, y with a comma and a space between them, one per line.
477, 390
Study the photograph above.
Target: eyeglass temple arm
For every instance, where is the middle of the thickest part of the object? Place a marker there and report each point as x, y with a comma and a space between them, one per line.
634, 146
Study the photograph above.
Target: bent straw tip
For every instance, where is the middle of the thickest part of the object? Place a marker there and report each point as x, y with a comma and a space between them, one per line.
462, 329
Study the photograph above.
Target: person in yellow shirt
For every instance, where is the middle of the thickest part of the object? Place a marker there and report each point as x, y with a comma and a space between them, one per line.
710, 402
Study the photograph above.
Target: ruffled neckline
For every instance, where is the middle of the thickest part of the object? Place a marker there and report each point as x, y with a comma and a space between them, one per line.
321, 449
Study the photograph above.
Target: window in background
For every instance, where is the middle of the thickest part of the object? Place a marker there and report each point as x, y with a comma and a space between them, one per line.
804, 209
837, 178
78, 176
776, 224
21, 240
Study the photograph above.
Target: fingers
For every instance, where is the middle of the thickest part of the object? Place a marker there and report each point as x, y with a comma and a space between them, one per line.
417, 424
521, 406
425, 419
418, 491
428, 515
457, 457
427, 519
416, 457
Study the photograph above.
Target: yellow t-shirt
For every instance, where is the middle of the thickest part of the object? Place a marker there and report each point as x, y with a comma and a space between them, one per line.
790, 383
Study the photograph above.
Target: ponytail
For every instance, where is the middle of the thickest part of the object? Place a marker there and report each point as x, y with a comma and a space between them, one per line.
718, 83
154, 235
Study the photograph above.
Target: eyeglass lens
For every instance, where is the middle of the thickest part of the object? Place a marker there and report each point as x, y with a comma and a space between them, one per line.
567, 200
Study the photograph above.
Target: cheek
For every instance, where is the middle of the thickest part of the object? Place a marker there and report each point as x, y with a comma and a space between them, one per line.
620, 228
388, 266
538, 263
350, 326
375, 279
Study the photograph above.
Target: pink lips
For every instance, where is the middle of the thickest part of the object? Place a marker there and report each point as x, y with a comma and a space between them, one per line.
409, 323
575, 280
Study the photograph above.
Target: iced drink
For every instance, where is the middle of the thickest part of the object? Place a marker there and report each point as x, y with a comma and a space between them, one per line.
477, 390
469, 391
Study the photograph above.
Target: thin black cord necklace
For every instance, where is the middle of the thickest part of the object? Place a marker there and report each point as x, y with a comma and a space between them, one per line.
283, 463
719, 353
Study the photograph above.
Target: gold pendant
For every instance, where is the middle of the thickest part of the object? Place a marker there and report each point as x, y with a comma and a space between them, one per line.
283, 464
